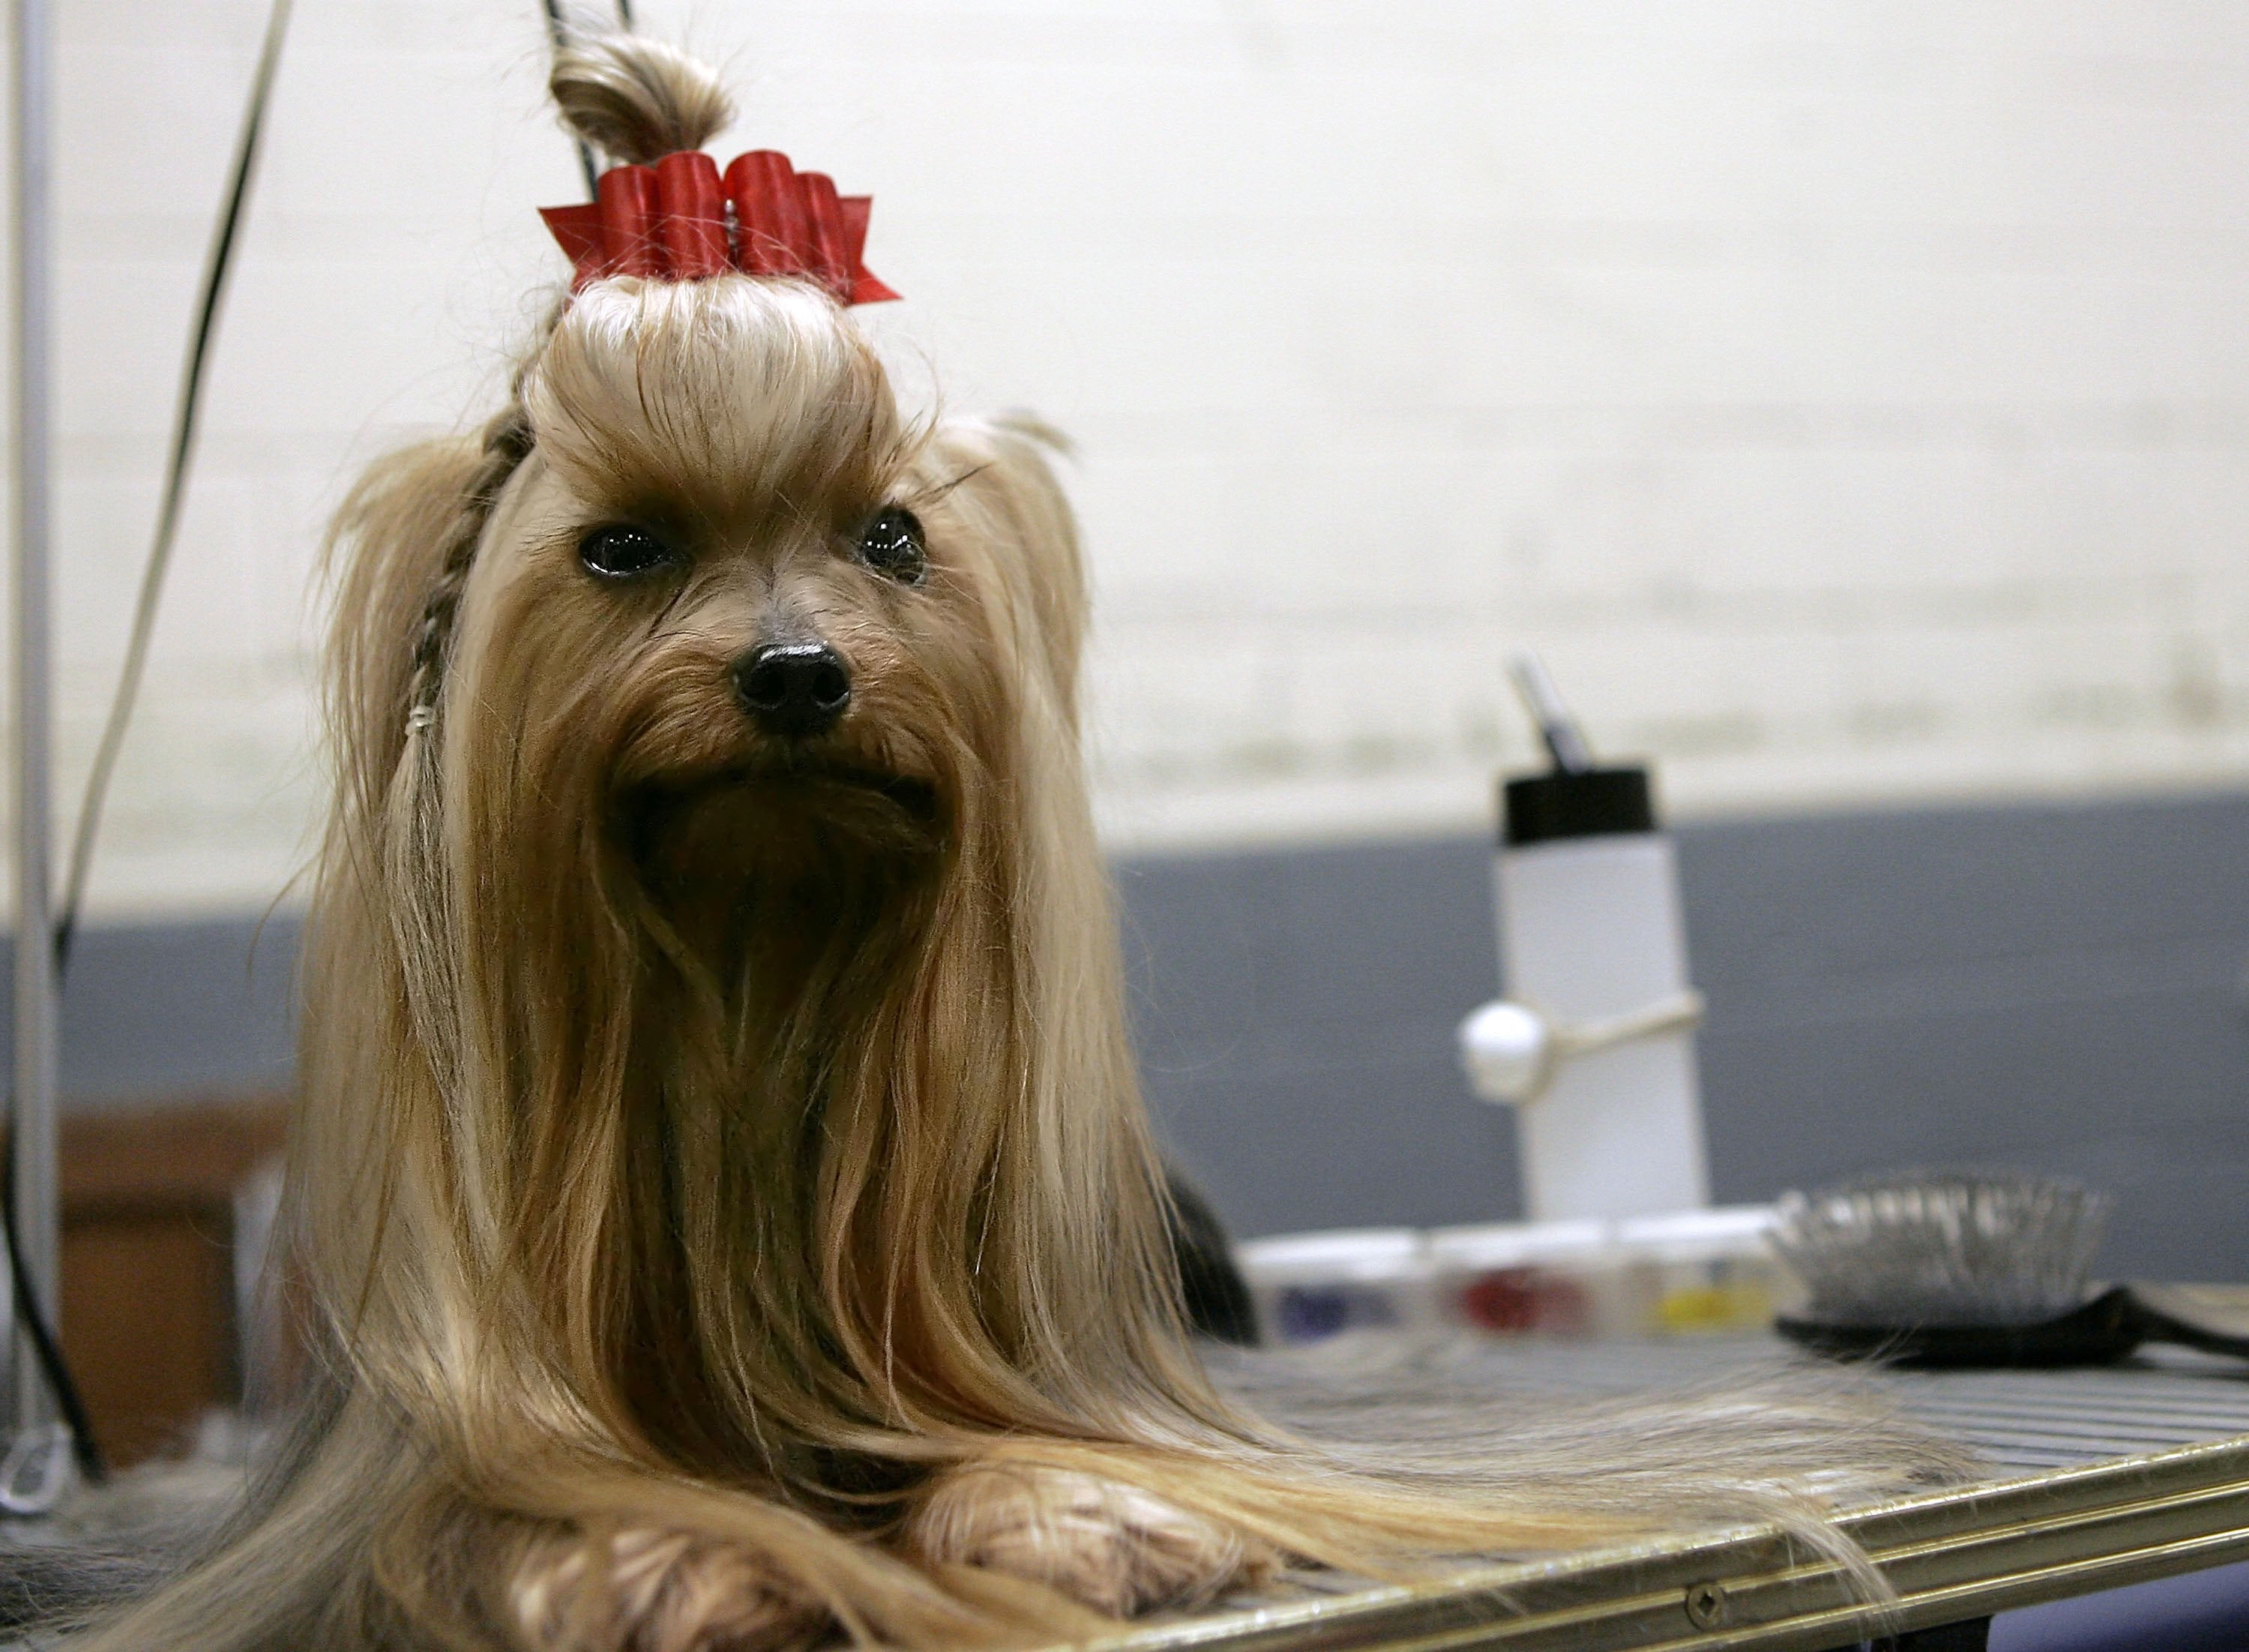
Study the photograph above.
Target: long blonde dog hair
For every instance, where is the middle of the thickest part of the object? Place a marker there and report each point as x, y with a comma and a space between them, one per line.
719, 1195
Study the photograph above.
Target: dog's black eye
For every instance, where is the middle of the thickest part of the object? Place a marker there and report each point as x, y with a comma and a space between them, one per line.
619, 553
892, 546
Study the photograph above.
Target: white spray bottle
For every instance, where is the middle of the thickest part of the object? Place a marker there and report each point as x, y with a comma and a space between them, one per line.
1594, 1043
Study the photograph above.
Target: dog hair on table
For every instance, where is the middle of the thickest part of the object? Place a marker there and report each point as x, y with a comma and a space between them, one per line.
719, 1200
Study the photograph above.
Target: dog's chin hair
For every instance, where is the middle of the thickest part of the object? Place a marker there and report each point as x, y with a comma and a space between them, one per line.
720, 1201
803, 825
769, 877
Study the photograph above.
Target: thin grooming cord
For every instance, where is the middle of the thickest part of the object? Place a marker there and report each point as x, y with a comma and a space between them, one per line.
45, 1346
185, 414
43, 1341
559, 31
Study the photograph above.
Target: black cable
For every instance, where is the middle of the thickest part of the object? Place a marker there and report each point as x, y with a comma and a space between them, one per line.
187, 409
560, 31
91, 1463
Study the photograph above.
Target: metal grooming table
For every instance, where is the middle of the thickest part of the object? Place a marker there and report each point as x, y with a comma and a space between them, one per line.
2097, 1478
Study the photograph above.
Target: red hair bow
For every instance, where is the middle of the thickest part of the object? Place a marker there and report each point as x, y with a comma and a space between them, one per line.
672, 221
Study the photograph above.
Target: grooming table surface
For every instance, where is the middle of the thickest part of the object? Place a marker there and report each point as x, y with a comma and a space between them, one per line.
2097, 1478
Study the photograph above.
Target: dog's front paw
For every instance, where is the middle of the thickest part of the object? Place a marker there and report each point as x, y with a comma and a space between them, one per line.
1114, 1547
648, 1590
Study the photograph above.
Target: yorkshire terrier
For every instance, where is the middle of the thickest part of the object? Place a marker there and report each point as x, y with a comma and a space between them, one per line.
719, 1197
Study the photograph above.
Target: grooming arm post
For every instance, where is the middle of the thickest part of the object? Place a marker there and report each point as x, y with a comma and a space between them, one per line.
34, 1125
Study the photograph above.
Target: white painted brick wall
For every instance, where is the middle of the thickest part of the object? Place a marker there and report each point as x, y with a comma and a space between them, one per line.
1848, 398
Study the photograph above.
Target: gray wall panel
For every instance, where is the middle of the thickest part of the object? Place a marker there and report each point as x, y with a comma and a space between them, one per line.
175, 1010
1295, 1012
2054, 987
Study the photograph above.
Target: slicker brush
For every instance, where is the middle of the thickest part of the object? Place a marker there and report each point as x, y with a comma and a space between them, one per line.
1947, 1249
1952, 1268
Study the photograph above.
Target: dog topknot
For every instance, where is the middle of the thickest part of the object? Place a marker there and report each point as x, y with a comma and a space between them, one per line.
637, 99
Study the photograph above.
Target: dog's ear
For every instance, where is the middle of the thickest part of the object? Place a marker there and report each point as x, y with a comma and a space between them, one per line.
1006, 482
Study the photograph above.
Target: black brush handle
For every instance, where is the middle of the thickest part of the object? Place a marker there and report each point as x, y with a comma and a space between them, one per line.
2159, 1324
2106, 1329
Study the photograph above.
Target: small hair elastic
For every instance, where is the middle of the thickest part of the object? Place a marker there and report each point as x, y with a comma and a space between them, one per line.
681, 220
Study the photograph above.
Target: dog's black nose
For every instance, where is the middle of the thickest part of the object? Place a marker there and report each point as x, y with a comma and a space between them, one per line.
793, 689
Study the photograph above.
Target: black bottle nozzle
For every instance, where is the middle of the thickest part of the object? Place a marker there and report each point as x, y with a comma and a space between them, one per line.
1574, 799
1556, 726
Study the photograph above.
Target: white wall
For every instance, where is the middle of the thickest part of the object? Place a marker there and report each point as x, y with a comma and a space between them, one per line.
1848, 398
